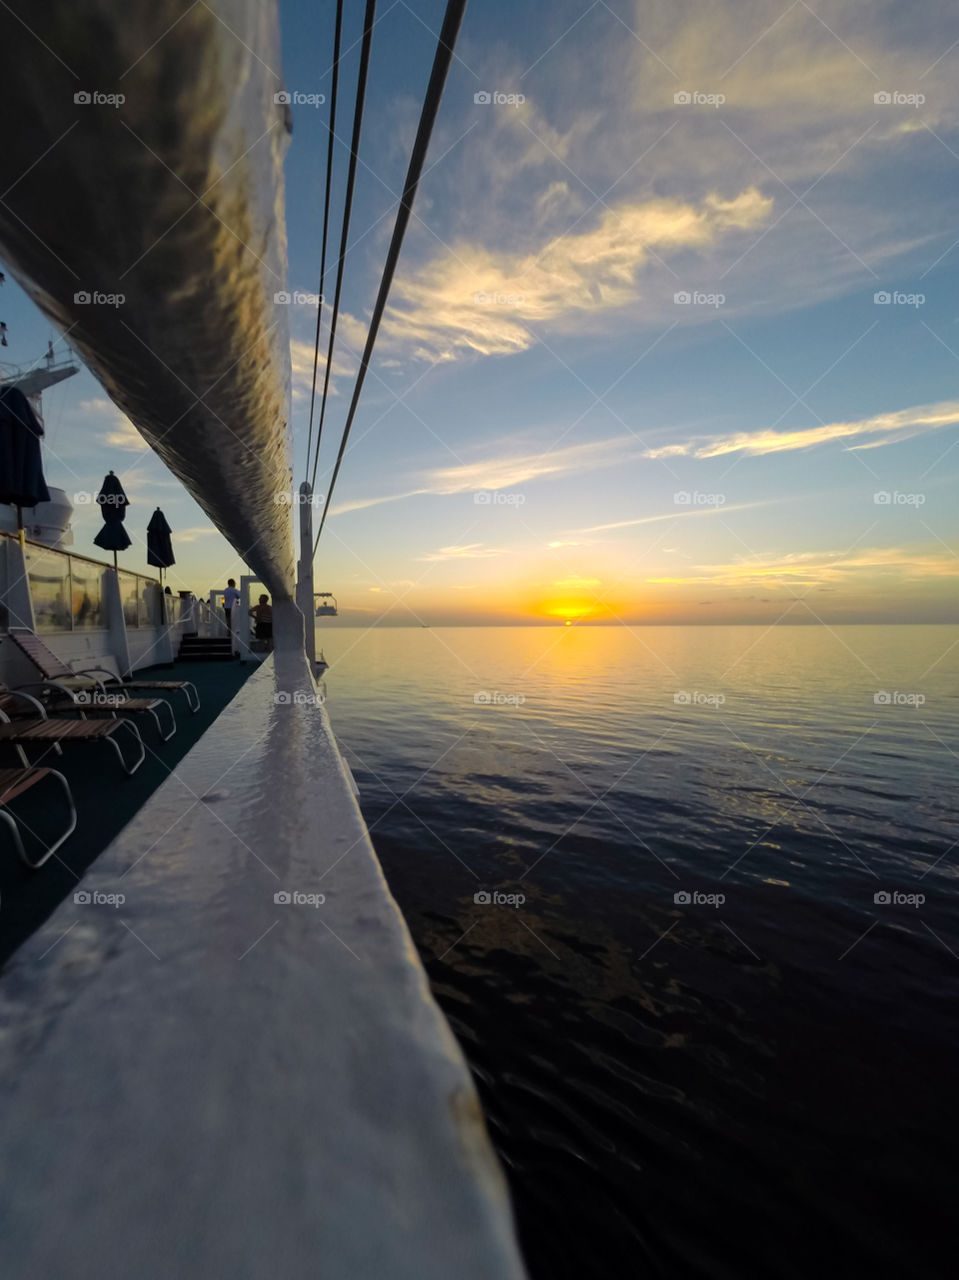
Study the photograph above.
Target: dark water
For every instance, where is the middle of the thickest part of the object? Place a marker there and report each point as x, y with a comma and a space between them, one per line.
762, 1085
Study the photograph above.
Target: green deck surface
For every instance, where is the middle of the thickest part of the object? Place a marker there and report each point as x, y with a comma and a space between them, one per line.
106, 799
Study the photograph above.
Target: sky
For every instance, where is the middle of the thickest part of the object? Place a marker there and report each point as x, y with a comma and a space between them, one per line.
674, 337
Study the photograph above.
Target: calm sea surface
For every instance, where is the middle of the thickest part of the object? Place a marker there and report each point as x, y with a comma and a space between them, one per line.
688, 897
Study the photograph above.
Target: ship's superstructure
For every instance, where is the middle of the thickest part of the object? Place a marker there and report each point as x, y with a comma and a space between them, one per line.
48, 522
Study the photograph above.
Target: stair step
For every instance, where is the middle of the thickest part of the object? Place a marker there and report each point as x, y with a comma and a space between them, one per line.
206, 657
195, 648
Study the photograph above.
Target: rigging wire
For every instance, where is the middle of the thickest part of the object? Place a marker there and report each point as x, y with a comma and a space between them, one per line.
326, 221
452, 20
347, 210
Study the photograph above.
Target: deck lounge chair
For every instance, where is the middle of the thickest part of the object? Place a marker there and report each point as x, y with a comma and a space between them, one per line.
52, 669
40, 728
13, 783
93, 702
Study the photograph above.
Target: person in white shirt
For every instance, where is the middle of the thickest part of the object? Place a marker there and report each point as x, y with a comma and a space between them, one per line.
231, 598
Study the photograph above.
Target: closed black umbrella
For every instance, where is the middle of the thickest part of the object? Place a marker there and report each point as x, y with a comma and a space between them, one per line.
159, 546
113, 503
21, 470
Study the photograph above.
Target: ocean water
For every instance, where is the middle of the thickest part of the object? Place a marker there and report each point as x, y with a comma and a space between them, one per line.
688, 897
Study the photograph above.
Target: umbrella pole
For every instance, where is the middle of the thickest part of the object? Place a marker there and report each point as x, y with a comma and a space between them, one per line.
114, 562
20, 526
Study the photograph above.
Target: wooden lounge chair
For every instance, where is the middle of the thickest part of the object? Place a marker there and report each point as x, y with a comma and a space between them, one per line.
40, 728
52, 669
60, 701
13, 783
186, 687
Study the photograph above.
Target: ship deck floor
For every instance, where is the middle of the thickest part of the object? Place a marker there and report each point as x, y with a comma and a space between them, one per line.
106, 799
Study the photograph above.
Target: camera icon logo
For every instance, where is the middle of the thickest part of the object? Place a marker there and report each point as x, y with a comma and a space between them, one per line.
883, 498
683, 498
482, 498
282, 298
82, 897
283, 499
82, 499
482, 898
882, 298
282, 699
82, 98
882, 698
482, 99
882, 898
682, 698
682, 98
682, 898
282, 99
682, 298
483, 698
81, 298
882, 98
282, 898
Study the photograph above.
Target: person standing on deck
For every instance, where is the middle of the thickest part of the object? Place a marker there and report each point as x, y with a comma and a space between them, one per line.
262, 614
231, 598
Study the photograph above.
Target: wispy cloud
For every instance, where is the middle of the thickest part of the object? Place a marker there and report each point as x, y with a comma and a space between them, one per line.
809, 567
683, 513
192, 535
510, 471
114, 428
489, 301
507, 471
470, 551
879, 430
889, 428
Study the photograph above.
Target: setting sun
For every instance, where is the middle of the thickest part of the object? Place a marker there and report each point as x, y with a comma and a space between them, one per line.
568, 609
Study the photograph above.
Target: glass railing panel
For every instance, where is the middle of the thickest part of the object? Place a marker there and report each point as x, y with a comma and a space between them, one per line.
130, 595
48, 572
87, 601
150, 600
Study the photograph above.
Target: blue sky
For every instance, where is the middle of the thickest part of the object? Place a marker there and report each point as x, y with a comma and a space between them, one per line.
726, 458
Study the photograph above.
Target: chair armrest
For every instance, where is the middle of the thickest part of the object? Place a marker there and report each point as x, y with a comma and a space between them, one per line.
91, 671
26, 697
47, 686
67, 684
